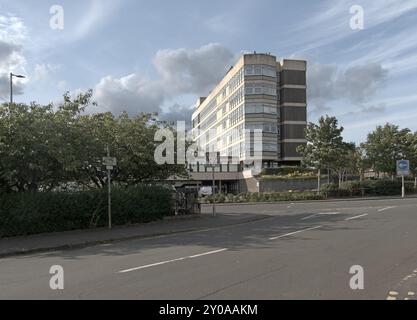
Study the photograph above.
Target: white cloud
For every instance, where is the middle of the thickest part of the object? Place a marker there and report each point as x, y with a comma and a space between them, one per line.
44, 71
12, 34
132, 93
195, 70
98, 13
181, 71
355, 84
329, 22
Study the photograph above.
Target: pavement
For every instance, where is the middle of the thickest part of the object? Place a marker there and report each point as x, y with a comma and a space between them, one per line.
264, 251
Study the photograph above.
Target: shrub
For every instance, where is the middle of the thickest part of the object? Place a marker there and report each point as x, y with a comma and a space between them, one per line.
266, 197
367, 188
32, 213
288, 171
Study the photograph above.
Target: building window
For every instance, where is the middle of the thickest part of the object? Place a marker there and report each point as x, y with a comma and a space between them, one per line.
260, 88
251, 108
260, 70
264, 127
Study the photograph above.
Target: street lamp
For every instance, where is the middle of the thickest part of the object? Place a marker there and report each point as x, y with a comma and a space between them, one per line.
213, 166
11, 84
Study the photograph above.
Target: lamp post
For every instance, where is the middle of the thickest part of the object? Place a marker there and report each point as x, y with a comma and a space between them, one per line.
11, 84
213, 165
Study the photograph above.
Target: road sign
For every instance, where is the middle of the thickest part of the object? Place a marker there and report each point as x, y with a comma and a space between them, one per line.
403, 168
109, 161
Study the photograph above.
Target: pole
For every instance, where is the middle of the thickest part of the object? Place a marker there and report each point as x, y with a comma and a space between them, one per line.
214, 194
11, 88
403, 187
109, 190
318, 181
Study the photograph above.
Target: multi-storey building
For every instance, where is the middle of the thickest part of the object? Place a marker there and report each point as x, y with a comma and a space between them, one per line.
258, 93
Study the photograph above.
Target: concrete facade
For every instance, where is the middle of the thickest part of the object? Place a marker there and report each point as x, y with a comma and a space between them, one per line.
258, 93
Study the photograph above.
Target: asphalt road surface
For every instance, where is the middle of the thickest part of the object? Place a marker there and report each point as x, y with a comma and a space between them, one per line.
299, 251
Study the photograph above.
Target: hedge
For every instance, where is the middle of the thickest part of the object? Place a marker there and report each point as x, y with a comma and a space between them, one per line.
264, 197
368, 188
285, 171
33, 213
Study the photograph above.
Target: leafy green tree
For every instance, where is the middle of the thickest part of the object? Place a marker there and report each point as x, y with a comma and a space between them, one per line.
45, 147
324, 144
385, 145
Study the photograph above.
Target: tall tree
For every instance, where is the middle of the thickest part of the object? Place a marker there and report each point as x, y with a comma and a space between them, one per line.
385, 145
324, 144
44, 147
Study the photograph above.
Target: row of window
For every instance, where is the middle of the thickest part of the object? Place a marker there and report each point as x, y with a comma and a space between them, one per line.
208, 122
236, 99
236, 81
271, 147
236, 116
260, 88
260, 108
264, 127
233, 136
260, 70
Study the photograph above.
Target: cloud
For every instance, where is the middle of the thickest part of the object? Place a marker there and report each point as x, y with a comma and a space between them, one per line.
336, 14
177, 113
12, 33
95, 16
180, 71
44, 71
132, 93
375, 109
195, 70
222, 23
356, 84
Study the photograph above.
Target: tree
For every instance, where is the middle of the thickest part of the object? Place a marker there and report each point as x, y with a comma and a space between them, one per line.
385, 145
411, 154
324, 144
45, 147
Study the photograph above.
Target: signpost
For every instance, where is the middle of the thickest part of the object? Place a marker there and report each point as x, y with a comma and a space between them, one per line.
213, 165
403, 170
110, 163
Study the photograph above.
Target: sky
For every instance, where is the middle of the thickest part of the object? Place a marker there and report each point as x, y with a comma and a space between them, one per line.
161, 55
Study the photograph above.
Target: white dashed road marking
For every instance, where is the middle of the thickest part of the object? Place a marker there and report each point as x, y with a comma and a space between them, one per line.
174, 260
294, 233
385, 209
356, 217
321, 214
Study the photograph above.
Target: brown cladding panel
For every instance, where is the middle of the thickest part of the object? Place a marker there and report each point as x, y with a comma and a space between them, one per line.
289, 95
293, 77
293, 114
289, 150
293, 131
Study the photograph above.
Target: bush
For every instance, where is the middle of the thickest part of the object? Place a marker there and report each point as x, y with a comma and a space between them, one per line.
367, 188
288, 173
32, 213
265, 197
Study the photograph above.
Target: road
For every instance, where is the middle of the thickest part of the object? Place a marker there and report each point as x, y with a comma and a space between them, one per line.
299, 251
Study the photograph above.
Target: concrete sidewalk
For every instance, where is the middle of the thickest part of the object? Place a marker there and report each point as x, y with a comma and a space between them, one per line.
85, 238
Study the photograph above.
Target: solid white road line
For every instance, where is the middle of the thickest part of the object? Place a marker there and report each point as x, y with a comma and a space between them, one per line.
173, 260
296, 232
385, 209
321, 214
356, 217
